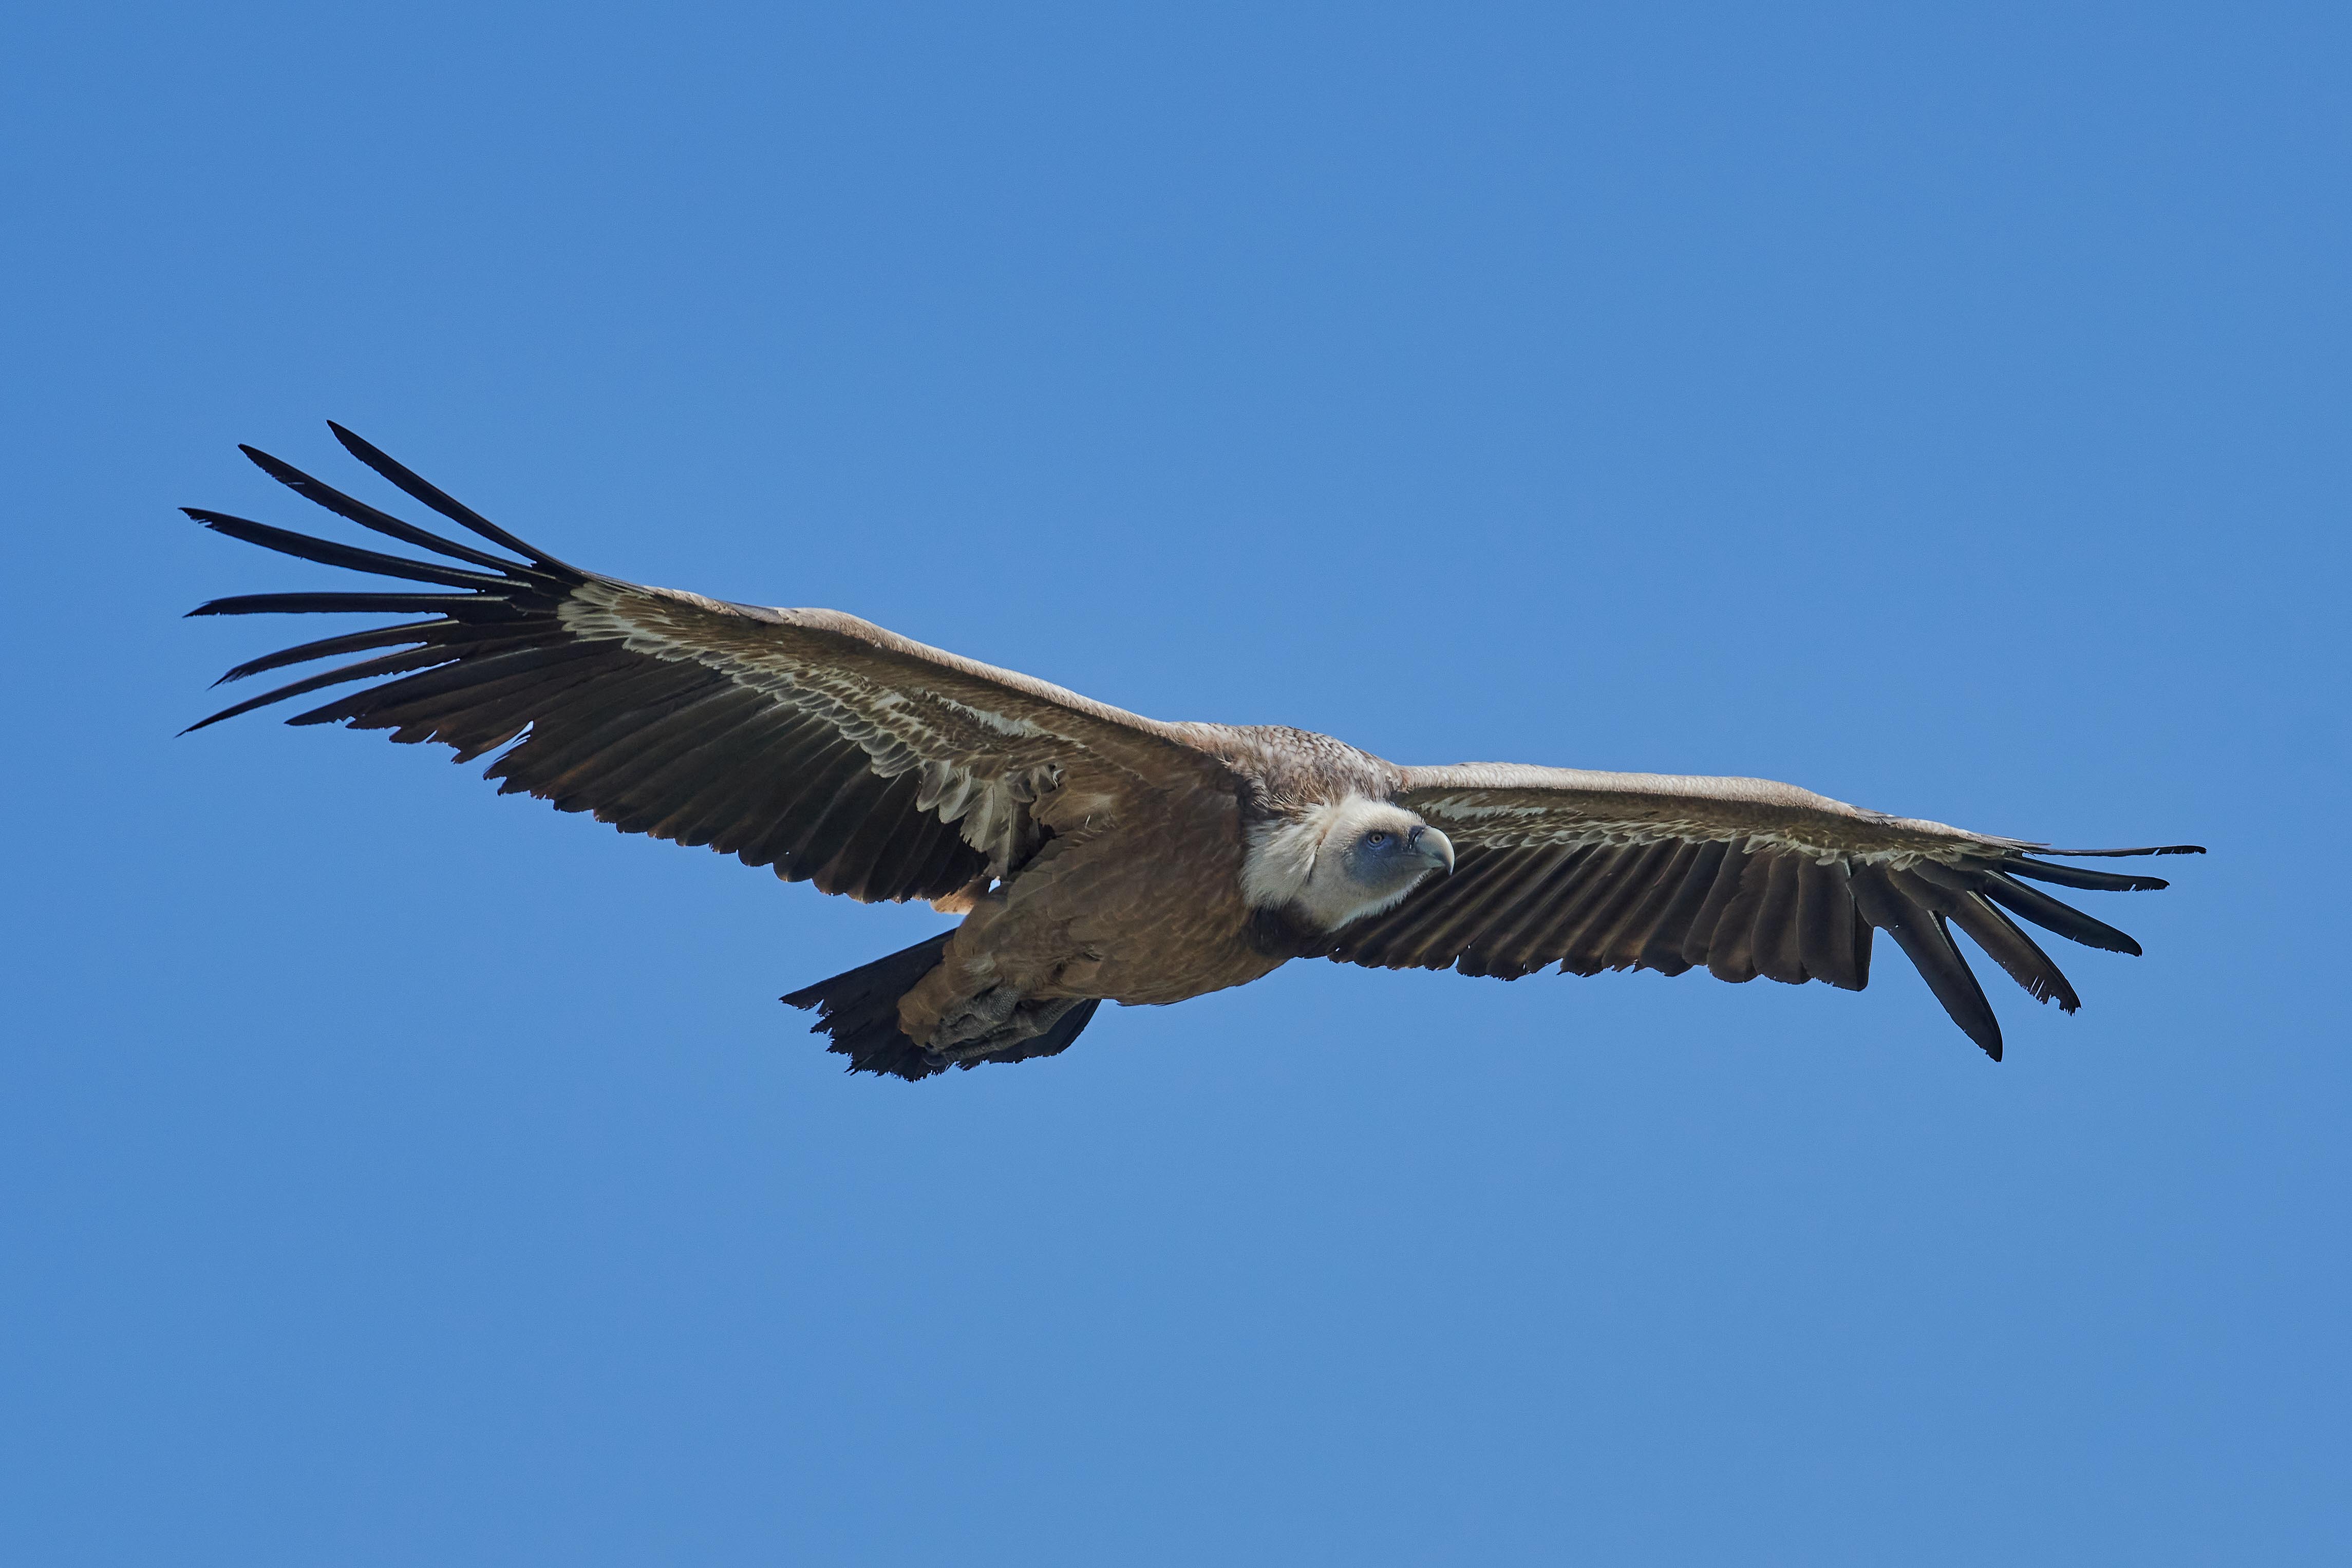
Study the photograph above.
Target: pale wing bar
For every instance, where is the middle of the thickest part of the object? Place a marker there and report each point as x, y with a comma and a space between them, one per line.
1742, 877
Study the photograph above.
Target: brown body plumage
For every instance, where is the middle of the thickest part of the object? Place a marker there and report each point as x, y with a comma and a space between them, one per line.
1097, 855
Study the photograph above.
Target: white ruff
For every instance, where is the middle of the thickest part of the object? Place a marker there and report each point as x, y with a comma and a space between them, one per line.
1282, 857
1286, 868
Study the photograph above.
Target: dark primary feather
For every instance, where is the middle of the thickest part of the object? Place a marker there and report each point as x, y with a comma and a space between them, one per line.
2078, 876
1925, 939
2014, 951
2051, 915
330, 647
367, 669
2154, 850
368, 516
328, 553
350, 604
440, 501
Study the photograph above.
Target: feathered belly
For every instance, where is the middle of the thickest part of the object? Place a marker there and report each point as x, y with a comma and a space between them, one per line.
1143, 917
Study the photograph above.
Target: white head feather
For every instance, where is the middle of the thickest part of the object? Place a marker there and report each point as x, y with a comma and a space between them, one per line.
1340, 861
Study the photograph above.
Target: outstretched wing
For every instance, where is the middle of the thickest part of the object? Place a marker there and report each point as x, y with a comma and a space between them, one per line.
1624, 870
807, 740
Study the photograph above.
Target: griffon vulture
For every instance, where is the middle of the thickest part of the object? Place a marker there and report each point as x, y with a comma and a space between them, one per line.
1097, 855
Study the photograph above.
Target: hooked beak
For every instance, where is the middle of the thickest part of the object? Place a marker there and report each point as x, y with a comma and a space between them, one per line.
1434, 846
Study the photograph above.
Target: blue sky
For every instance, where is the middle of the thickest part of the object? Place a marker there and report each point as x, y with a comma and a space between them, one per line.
1942, 411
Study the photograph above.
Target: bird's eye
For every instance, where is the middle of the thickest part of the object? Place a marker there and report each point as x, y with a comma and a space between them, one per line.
1376, 838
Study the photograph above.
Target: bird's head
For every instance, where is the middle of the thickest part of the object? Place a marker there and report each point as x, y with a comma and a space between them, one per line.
1341, 861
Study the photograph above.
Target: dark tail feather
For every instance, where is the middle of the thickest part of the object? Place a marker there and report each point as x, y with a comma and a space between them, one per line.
1053, 1043
860, 1011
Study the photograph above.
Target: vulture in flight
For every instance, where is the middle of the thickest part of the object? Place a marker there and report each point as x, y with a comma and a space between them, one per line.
1097, 855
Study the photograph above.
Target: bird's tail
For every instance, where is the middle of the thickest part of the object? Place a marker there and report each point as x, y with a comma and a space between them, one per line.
859, 1009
